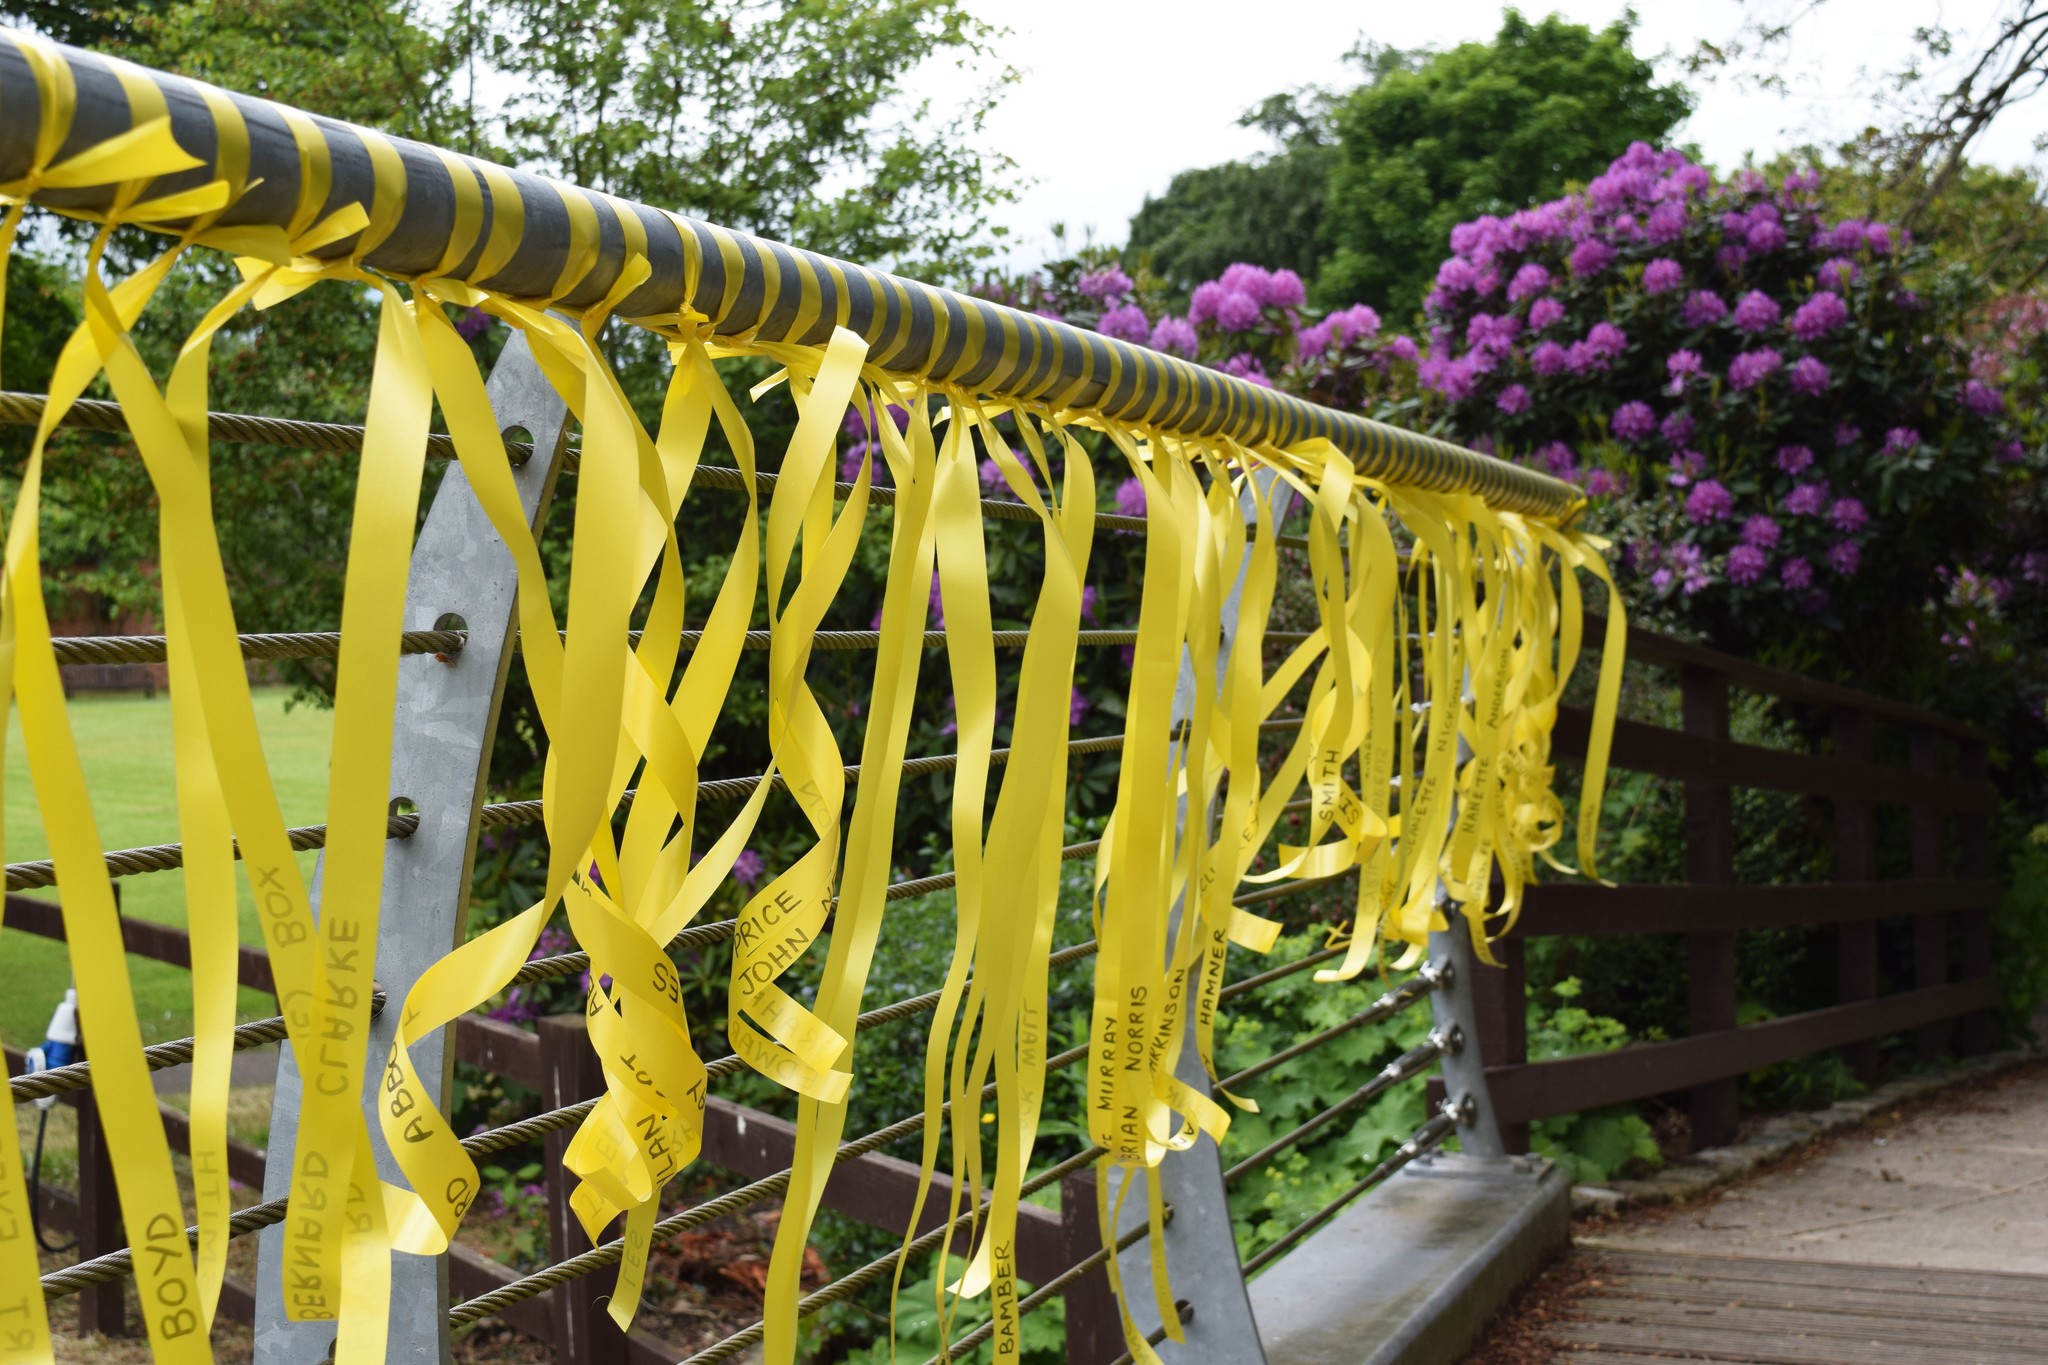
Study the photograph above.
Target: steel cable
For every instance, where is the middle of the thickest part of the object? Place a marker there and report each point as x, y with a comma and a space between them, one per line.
258, 1033
94, 414
766, 1187
60, 1080
129, 862
1051, 1289
570, 964
855, 1280
117, 1265
1183, 1308
526, 1130
326, 644
598, 1257
1404, 1067
1409, 992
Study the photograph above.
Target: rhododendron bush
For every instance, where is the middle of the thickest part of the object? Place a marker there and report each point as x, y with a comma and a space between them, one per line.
1811, 442
1789, 443
1798, 455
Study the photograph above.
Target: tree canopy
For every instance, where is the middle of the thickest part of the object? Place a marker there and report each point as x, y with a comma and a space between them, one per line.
791, 120
1267, 209
1441, 138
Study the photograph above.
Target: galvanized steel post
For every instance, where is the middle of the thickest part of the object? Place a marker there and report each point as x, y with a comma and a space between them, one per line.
447, 714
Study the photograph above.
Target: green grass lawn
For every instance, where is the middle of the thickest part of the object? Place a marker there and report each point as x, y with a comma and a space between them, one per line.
125, 744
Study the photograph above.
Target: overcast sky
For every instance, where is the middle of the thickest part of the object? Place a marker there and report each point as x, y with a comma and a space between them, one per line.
1117, 95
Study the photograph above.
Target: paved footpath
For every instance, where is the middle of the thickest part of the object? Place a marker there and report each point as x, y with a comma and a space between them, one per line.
1959, 1183
1918, 1239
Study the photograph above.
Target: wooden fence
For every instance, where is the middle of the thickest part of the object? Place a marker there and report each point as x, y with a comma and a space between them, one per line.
1948, 898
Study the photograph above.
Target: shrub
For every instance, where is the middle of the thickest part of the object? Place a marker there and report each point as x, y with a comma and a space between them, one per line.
1794, 451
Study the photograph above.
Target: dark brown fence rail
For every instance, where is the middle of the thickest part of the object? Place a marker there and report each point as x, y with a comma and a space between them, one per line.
1949, 898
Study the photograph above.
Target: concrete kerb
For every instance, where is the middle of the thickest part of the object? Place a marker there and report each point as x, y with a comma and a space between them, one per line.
1692, 1176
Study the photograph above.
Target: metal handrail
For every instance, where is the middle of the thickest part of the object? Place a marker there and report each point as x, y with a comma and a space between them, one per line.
703, 277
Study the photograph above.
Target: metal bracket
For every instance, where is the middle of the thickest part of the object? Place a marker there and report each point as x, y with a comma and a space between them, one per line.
1457, 1018
447, 713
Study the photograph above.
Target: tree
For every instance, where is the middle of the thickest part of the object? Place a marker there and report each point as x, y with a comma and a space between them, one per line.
1933, 107
783, 119
791, 120
1482, 128
1268, 209
81, 25
372, 62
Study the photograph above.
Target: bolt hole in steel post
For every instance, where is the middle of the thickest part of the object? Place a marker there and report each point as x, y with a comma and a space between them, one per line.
518, 443
450, 620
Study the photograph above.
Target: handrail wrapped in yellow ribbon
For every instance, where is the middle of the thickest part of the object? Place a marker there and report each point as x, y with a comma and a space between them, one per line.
1482, 623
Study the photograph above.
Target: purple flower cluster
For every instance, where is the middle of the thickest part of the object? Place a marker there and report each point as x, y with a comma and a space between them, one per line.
1237, 312
1359, 322
1818, 316
1246, 366
1591, 256
1757, 311
1838, 274
1806, 500
1130, 498
1633, 421
1751, 368
1176, 336
1250, 323
1532, 279
1237, 300
1747, 562
1703, 308
1660, 276
1762, 532
1709, 500
1810, 376
1108, 287
747, 868
1126, 323
1982, 399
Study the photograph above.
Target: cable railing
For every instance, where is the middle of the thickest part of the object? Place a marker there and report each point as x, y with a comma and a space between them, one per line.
326, 644
87, 414
1410, 1065
1416, 990
110, 1268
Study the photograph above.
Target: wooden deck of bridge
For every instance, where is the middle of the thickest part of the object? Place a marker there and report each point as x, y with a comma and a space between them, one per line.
1920, 1238
1650, 1308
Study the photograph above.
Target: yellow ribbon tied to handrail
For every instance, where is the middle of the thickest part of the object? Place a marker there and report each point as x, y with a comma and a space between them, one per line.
1421, 704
